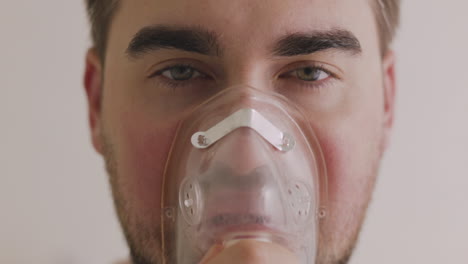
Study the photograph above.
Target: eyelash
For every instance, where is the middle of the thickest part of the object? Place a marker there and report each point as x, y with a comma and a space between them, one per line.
316, 85
303, 84
174, 83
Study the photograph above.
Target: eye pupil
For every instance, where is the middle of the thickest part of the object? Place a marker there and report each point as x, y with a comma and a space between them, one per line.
309, 74
181, 73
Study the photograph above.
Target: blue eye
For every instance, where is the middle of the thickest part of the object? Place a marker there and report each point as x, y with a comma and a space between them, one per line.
310, 74
180, 73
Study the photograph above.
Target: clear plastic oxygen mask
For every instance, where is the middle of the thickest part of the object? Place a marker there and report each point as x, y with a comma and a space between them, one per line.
244, 164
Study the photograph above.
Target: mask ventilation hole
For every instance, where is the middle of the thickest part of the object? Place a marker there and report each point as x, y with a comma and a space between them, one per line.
189, 201
299, 201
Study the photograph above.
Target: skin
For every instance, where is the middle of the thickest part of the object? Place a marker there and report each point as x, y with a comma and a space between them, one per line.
351, 112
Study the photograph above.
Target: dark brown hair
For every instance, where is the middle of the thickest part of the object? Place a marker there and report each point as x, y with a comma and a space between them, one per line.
100, 13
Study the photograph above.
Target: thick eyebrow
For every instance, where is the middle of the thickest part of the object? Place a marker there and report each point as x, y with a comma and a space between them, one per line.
307, 43
189, 39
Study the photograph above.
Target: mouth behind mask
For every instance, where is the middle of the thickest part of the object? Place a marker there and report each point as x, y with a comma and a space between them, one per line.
243, 165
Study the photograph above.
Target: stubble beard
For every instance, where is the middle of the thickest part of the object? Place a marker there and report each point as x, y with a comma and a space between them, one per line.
144, 241
338, 240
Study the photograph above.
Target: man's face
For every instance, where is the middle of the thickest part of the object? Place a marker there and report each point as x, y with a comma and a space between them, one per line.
348, 99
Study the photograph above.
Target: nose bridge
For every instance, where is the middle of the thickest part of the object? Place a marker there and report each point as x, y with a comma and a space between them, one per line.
247, 68
245, 97
237, 96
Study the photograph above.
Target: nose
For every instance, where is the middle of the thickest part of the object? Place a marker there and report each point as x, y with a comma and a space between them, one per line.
244, 151
240, 96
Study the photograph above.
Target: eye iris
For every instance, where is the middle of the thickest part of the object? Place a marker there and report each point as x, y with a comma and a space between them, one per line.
181, 73
309, 74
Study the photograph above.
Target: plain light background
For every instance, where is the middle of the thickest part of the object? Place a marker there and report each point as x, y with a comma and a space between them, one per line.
55, 204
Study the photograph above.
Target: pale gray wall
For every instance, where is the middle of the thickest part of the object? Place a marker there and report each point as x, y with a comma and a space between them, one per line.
55, 204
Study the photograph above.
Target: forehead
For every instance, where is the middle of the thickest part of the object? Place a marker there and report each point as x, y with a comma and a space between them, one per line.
247, 21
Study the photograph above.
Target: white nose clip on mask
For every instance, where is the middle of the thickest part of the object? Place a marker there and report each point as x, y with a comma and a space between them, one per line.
244, 118
244, 165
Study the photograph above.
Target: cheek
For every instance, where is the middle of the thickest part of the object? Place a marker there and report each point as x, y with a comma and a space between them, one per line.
351, 151
143, 151
351, 159
342, 168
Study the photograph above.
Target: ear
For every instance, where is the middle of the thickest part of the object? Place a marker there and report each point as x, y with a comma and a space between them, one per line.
389, 85
93, 87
